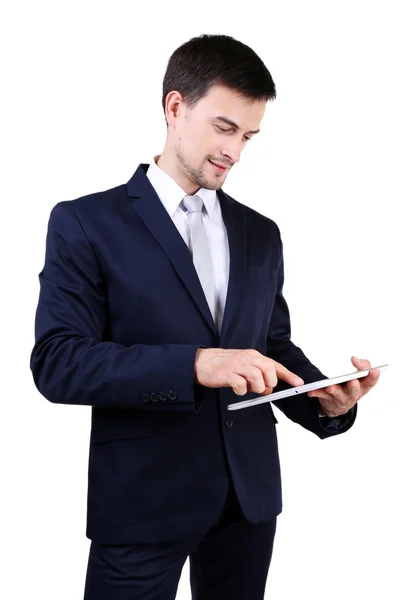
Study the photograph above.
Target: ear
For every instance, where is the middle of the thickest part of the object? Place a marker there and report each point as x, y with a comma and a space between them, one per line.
173, 107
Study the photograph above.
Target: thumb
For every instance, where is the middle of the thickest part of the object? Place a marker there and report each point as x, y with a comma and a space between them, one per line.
360, 363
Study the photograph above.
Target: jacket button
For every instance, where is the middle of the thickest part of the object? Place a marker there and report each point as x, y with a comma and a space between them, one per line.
229, 423
163, 396
172, 395
145, 397
154, 397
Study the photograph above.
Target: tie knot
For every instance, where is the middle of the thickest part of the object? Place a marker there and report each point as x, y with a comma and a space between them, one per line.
193, 203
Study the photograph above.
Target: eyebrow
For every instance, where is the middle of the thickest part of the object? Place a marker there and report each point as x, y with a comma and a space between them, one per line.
230, 122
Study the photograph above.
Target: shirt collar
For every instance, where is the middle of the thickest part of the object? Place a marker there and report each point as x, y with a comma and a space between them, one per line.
171, 194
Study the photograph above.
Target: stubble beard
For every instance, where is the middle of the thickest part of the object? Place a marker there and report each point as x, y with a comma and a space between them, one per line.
197, 175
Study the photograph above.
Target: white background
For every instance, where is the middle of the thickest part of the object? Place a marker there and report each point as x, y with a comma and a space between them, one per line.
81, 109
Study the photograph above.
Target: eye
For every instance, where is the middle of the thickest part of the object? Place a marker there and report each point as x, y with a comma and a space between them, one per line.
246, 137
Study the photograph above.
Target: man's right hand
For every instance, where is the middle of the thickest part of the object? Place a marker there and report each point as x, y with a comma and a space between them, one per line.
243, 370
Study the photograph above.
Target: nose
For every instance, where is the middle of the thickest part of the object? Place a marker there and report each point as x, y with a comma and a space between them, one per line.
233, 151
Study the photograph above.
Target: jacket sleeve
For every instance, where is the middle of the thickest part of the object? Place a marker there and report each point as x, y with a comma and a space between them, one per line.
302, 408
71, 362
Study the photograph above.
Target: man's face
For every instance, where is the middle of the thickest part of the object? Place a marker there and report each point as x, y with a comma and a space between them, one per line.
215, 130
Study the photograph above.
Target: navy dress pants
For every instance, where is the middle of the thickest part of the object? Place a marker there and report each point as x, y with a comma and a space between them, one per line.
230, 562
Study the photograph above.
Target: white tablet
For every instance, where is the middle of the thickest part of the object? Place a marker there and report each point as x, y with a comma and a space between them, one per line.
300, 389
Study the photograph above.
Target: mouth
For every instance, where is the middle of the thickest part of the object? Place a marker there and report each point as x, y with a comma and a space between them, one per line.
218, 167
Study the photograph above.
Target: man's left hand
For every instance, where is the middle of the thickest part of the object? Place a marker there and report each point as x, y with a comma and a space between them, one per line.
336, 400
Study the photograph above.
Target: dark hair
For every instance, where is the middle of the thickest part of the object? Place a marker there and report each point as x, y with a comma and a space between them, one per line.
210, 60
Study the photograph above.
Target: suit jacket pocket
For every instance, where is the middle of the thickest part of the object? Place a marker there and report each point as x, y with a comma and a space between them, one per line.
264, 272
117, 424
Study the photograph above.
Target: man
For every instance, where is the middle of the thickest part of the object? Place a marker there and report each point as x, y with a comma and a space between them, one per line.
161, 300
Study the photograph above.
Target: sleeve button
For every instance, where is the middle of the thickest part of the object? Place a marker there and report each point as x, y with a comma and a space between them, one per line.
172, 395
145, 397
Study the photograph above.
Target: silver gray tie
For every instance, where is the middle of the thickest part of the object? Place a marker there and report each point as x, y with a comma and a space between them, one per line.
200, 250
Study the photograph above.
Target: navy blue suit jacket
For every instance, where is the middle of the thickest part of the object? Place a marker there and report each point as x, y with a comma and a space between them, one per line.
120, 317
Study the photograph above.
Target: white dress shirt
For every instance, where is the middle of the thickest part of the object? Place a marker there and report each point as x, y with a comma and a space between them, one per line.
171, 195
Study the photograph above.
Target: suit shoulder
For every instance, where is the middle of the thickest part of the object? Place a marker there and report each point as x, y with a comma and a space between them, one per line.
97, 201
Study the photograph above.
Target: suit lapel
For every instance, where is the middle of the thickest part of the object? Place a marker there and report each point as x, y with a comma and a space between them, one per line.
234, 220
150, 209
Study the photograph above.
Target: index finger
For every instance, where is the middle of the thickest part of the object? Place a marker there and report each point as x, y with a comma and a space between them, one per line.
286, 375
